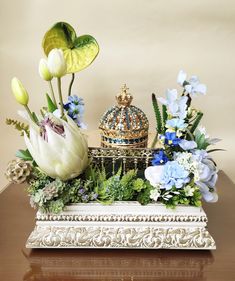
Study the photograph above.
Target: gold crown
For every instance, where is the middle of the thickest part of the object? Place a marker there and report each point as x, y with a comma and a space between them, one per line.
124, 98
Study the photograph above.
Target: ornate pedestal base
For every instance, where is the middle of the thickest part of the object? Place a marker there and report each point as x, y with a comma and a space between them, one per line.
122, 225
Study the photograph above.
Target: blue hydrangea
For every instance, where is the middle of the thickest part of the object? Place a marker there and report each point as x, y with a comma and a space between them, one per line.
174, 174
159, 158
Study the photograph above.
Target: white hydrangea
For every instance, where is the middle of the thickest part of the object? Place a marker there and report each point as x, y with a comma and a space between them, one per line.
155, 194
189, 190
188, 161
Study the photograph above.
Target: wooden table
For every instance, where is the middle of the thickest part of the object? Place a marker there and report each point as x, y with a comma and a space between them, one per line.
18, 263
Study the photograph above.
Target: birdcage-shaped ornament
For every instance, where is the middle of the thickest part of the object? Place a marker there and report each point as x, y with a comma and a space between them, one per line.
124, 125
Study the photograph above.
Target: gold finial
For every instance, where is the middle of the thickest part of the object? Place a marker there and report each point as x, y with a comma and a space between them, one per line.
124, 98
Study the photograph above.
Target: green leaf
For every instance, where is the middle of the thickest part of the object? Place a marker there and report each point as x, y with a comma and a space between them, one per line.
35, 118
50, 105
157, 114
216, 149
196, 122
79, 52
201, 142
24, 154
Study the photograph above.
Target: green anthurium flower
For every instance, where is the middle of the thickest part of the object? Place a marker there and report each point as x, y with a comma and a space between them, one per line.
79, 52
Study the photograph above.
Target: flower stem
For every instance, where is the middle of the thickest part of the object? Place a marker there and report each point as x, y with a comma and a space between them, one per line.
71, 84
154, 142
60, 97
30, 113
52, 93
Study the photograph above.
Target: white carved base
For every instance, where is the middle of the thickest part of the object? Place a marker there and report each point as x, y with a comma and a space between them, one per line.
122, 225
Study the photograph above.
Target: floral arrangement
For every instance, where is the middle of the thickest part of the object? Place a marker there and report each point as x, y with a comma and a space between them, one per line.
183, 170
56, 165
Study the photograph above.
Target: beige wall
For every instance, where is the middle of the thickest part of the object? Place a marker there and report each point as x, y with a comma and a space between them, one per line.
143, 43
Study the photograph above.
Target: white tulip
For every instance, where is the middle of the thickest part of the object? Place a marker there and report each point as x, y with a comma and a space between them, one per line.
19, 91
60, 150
44, 71
56, 63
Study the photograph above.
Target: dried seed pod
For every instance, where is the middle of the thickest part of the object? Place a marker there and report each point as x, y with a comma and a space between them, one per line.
18, 171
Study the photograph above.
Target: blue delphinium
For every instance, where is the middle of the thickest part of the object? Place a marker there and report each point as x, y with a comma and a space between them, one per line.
75, 109
174, 174
171, 139
159, 158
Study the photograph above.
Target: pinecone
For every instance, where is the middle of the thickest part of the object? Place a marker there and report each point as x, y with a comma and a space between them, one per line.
18, 171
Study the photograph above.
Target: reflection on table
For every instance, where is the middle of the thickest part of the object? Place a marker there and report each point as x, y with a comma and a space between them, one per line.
116, 265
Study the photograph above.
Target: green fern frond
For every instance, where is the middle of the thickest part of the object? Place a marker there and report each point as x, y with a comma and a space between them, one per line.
164, 117
20, 126
157, 114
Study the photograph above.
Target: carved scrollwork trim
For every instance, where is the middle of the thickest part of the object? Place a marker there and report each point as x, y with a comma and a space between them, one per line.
120, 237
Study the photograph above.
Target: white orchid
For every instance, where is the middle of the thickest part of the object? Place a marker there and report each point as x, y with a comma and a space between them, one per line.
177, 106
192, 86
58, 147
181, 77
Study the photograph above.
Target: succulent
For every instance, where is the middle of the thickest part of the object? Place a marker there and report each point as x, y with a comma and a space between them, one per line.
18, 171
50, 190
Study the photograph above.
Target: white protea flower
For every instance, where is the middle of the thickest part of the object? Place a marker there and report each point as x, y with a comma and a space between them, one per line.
58, 147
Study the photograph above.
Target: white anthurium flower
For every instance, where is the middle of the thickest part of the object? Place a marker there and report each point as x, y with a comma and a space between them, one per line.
56, 63
58, 147
153, 174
